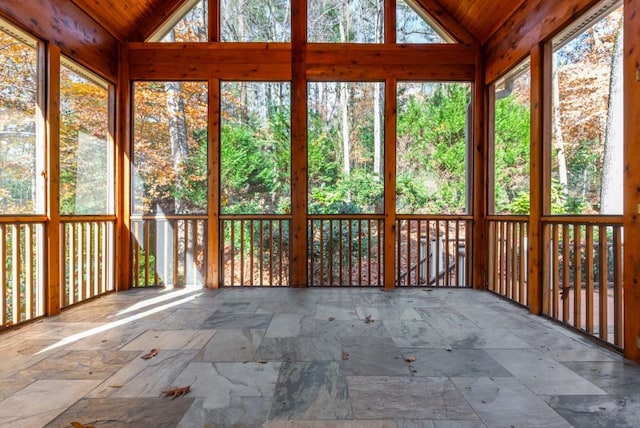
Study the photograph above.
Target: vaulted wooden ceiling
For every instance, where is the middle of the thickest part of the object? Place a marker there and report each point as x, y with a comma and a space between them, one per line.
129, 19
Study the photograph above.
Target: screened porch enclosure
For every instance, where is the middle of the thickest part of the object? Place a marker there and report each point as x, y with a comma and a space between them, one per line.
345, 218
325, 143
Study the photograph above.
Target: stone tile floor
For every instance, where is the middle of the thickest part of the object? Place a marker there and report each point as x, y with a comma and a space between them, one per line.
310, 358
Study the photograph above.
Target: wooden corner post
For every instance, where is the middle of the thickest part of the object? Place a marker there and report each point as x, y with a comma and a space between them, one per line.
298, 234
632, 179
123, 174
53, 179
213, 183
479, 167
390, 120
536, 178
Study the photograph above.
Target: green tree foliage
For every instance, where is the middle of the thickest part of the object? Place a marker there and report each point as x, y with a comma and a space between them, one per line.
512, 137
432, 122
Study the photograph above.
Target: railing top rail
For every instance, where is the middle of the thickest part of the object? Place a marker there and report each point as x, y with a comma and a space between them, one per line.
508, 217
87, 218
434, 217
345, 217
11, 219
255, 217
138, 217
613, 220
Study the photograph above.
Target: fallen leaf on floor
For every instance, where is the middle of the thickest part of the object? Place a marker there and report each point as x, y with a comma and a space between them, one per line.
81, 425
410, 359
368, 319
262, 361
150, 354
116, 386
345, 355
332, 318
177, 392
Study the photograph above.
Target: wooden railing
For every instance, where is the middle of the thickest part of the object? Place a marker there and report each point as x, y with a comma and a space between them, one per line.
583, 275
168, 250
87, 255
433, 251
508, 257
255, 250
21, 272
345, 250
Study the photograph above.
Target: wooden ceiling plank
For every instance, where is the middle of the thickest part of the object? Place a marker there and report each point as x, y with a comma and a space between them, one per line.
64, 24
534, 21
98, 15
445, 20
163, 10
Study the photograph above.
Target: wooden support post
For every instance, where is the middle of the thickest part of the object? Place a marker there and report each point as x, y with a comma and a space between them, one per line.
536, 180
632, 179
479, 194
213, 183
390, 111
299, 143
123, 175
213, 8
53, 180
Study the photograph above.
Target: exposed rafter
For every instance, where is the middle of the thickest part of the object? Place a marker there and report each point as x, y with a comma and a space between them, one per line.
164, 10
445, 20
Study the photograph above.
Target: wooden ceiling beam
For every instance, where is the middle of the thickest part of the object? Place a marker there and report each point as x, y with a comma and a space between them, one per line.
163, 11
533, 22
446, 21
64, 24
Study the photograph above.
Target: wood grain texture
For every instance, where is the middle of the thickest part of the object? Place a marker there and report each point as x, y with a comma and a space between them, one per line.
273, 61
149, 17
65, 25
536, 182
481, 18
213, 183
632, 180
479, 193
390, 148
299, 141
123, 176
534, 21
452, 24
54, 277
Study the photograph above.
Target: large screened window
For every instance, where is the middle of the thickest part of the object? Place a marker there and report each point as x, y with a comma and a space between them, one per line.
86, 145
255, 154
511, 152
345, 147
432, 149
170, 148
255, 20
344, 21
21, 156
587, 119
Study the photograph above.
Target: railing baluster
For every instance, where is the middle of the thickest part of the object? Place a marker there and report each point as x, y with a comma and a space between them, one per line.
589, 273
555, 259
603, 282
15, 275
270, 253
618, 307
577, 276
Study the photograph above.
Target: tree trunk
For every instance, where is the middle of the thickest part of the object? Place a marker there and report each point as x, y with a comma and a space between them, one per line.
557, 132
344, 106
177, 127
377, 133
611, 201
